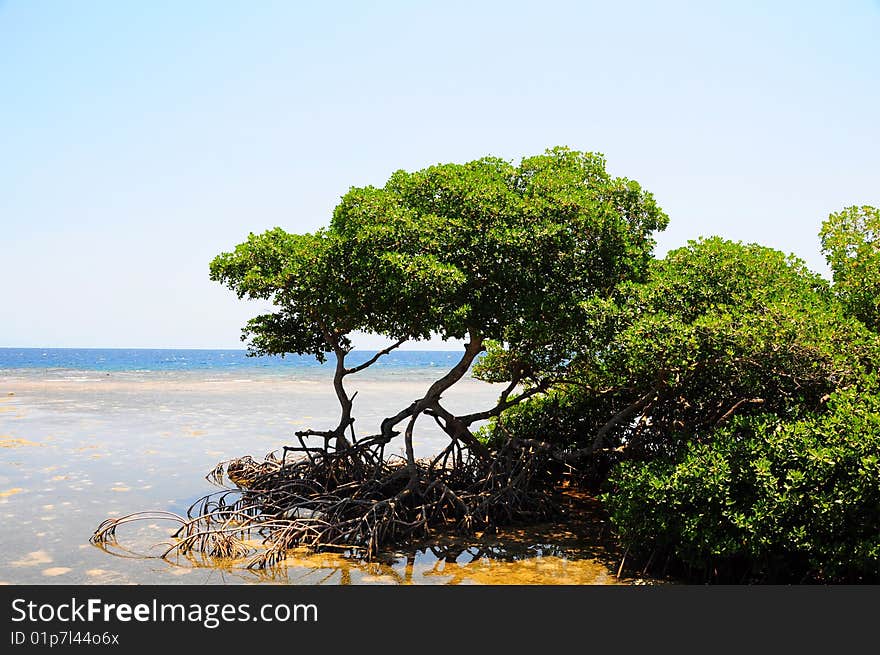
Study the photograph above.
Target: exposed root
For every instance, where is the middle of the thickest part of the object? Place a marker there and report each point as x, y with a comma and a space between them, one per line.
354, 500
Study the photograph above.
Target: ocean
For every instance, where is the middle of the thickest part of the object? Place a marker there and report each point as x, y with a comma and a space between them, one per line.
61, 362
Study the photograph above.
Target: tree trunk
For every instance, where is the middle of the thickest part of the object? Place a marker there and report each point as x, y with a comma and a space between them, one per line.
431, 402
345, 401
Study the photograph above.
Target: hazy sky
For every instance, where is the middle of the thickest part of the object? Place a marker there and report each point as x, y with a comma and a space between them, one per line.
140, 139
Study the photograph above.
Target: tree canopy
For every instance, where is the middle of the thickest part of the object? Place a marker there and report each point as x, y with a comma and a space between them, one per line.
525, 242
851, 243
482, 251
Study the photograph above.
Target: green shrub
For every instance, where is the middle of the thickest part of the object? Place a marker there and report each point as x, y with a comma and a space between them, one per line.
764, 498
715, 401
720, 329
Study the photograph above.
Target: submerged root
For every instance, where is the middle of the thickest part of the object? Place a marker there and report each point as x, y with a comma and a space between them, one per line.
354, 501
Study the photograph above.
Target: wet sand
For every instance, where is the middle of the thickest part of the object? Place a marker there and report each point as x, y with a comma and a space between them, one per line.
81, 447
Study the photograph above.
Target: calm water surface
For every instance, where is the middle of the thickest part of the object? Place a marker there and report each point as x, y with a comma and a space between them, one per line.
86, 435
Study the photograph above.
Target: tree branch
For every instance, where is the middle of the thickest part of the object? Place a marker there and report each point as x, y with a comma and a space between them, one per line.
626, 413
387, 427
374, 358
736, 406
471, 350
315, 433
504, 403
458, 429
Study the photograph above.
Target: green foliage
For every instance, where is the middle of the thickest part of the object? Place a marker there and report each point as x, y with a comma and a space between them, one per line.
563, 417
732, 399
485, 249
323, 288
720, 329
765, 498
291, 270
524, 244
851, 244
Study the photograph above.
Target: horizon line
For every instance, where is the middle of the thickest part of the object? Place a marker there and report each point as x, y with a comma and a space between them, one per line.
244, 350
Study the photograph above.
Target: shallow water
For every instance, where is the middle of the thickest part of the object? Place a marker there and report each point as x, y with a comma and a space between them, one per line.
77, 447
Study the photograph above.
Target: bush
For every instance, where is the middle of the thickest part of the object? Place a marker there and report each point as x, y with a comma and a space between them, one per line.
719, 330
764, 499
716, 402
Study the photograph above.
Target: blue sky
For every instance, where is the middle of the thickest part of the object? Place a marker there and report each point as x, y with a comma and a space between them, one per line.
140, 139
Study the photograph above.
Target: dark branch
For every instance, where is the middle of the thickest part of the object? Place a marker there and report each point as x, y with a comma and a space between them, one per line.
504, 403
316, 433
372, 360
627, 413
736, 406
387, 427
458, 430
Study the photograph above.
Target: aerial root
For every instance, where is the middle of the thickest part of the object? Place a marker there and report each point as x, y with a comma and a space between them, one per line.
353, 501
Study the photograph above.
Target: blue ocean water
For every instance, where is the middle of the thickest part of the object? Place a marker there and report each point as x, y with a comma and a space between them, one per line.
166, 360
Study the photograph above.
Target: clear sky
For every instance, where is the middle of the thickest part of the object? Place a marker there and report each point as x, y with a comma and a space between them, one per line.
140, 139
